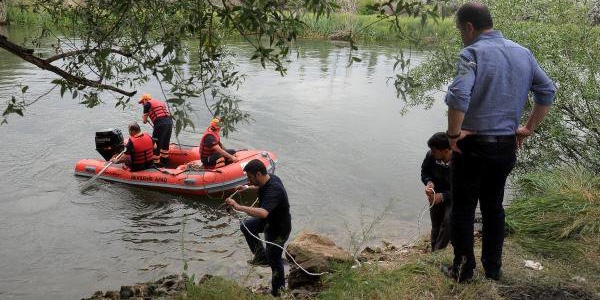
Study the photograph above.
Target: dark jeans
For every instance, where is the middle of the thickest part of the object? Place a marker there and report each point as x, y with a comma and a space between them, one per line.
162, 135
271, 253
479, 174
440, 224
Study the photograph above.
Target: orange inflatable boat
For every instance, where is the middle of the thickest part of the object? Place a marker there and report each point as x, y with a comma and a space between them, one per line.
186, 174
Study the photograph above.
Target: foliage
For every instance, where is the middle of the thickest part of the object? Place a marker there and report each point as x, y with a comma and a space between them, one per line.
371, 28
107, 48
568, 49
556, 213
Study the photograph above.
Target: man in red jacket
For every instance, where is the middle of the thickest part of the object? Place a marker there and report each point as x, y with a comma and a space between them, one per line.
158, 112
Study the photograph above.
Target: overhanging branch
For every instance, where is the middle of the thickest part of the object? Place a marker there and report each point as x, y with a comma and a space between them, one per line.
83, 51
27, 55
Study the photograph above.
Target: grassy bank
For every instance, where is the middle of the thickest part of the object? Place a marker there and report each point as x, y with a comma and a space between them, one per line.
374, 28
363, 27
555, 220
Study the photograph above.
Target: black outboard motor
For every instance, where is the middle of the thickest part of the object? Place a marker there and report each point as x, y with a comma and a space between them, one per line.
109, 142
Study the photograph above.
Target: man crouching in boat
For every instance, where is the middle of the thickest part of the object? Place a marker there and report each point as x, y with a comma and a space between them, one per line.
212, 153
271, 217
139, 151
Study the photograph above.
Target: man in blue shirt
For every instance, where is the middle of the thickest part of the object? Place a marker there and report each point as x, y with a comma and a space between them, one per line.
485, 102
271, 217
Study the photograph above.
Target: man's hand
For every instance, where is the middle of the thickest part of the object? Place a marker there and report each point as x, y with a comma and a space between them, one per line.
241, 188
435, 198
429, 188
233, 158
463, 134
232, 203
522, 133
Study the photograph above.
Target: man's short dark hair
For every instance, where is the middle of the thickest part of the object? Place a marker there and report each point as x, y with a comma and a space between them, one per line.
255, 166
475, 13
134, 127
439, 141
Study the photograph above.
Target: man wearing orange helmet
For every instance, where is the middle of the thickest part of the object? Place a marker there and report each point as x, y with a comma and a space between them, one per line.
159, 114
212, 153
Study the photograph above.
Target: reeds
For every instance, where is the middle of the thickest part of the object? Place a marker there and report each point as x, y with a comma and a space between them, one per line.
555, 213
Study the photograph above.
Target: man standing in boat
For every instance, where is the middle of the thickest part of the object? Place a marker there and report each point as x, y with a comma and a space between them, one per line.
212, 153
162, 122
139, 151
271, 217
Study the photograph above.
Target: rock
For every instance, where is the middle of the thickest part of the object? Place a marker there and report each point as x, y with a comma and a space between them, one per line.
314, 253
126, 292
141, 290
161, 291
113, 295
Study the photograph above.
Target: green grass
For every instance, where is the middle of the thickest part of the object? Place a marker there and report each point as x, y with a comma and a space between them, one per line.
373, 28
557, 214
217, 288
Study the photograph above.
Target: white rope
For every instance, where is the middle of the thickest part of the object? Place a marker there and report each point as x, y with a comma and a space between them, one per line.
420, 216
270, 243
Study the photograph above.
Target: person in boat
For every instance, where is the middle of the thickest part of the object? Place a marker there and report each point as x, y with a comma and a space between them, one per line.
212, 152
139, 151
271, 217
435, 175
162, 122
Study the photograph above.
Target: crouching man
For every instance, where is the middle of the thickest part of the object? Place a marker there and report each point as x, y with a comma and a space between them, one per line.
272, 216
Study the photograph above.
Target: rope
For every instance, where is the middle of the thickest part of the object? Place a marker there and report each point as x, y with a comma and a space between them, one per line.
282, 248
420, 216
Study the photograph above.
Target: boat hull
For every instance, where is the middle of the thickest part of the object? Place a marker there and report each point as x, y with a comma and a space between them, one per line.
185, 179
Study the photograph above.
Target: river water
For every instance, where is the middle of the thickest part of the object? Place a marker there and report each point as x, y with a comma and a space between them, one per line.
346, 155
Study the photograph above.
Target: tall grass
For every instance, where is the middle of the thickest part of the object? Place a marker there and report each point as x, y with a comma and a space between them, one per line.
556, 213
27, 15
373, 27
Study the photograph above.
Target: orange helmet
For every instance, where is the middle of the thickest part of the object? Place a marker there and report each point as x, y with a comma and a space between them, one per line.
145, 97
215, 123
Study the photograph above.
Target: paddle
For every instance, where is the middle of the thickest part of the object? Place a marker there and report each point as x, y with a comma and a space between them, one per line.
87, 183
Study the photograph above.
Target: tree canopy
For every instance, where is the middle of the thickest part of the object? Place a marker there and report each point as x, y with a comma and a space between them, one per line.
116, 45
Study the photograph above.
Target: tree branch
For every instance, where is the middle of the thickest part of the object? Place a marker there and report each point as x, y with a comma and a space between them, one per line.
27, 55
83, 51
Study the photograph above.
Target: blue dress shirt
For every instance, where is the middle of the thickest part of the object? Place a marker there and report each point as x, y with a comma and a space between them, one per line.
494, 77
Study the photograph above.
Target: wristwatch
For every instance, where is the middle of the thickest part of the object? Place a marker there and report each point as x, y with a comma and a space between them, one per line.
452, 136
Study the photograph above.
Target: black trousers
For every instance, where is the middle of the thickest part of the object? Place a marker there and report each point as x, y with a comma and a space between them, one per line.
440, 224
269, 252
479, 174
162, 135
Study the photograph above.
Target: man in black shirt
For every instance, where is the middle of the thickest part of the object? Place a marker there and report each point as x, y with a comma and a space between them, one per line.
435, 174
271, 217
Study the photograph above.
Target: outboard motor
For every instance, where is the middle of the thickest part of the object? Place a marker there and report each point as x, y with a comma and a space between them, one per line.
109, 142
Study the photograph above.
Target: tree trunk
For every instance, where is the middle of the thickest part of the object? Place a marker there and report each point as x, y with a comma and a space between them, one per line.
3, 13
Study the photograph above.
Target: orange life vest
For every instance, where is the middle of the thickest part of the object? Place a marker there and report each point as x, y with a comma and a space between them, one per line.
206, 151
158, 109
143, 147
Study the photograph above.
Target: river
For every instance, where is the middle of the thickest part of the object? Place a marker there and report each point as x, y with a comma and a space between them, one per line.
346, 156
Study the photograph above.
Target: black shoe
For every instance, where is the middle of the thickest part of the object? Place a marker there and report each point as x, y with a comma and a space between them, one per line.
494, 275
259, 262
466, 276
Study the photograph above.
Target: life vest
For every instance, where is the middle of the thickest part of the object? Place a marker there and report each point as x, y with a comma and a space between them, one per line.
143, 147
206, 151
158, 109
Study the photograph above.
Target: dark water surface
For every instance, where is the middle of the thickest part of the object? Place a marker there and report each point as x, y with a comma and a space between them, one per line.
346, 156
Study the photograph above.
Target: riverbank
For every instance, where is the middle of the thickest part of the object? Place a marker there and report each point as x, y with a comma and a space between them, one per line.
338, 26
552, 252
